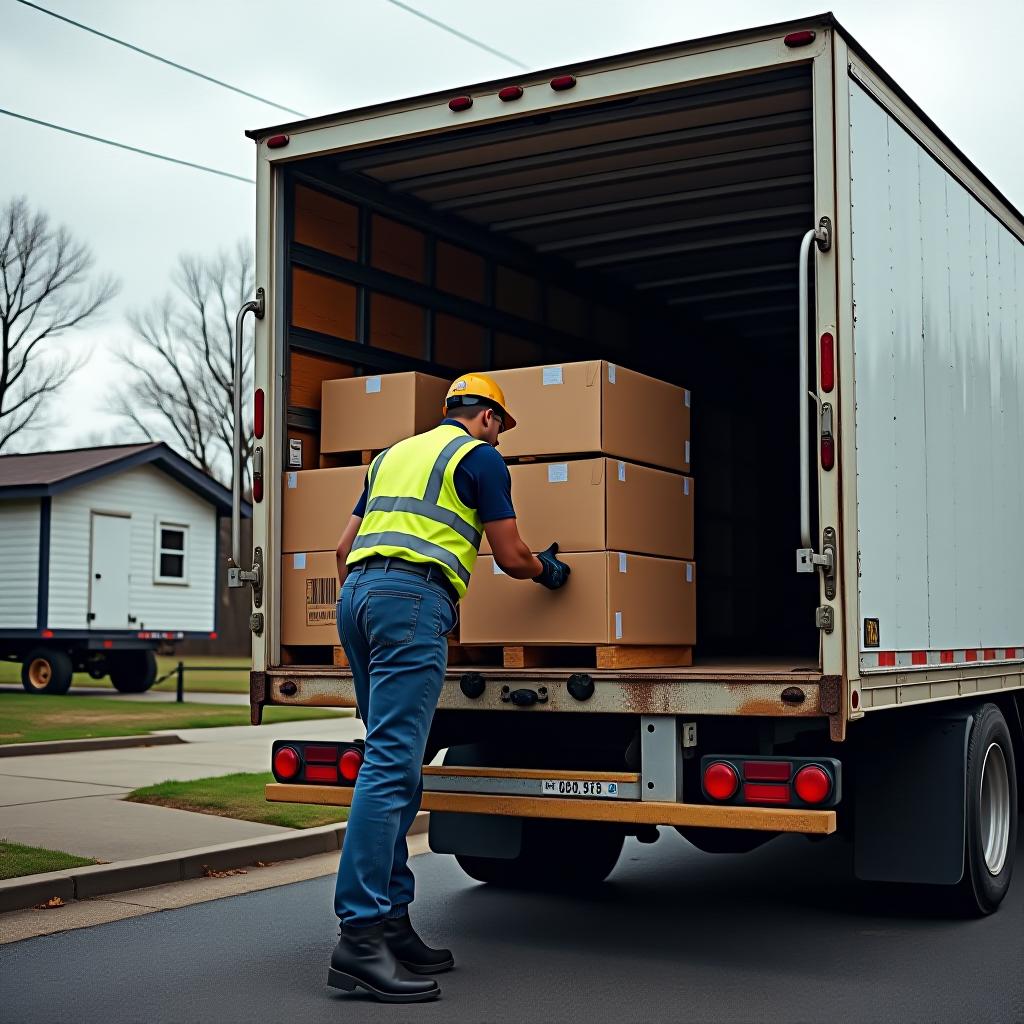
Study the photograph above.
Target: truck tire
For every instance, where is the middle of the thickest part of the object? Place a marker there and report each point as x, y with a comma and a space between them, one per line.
132, 671
990, 841
555, 854
46, 670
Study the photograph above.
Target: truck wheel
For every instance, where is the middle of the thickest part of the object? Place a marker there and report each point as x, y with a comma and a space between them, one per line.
990, 842
555, 854
46, 670
132, 671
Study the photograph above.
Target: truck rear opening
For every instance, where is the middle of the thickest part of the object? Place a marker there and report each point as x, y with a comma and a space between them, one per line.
659, 232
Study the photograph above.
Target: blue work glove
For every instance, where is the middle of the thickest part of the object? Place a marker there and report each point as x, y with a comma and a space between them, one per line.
555, 573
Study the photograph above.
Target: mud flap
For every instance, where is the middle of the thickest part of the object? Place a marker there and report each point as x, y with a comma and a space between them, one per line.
910, 802
476, 835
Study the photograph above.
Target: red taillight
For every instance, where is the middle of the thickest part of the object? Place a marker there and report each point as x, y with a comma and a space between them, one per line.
257, 413
510, 92
562, 82
855, 699
460, 103
108, 644
286, 762
766, 771
828, 451
257, 488
321, 773
827, 362
47, 633
812, 784
720, 780
349, 764
800, 38
213, 636
278, 141
321, 755
765, 793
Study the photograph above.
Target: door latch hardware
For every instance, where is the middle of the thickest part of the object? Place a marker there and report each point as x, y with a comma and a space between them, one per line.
825, 618
256, 623
688, 734
823, 236
238, 577
524, 697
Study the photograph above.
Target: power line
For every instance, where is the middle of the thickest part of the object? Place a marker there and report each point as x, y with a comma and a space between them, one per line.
453, 31
131, 149
163, 60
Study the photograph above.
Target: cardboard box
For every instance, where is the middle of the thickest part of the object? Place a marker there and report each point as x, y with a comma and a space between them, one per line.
316, 505
603, 504
611, 598
596, 407
368, 413
309, 591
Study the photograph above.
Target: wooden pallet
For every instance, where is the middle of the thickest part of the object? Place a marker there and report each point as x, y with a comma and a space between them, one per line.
335, 460
458, 654
597, 656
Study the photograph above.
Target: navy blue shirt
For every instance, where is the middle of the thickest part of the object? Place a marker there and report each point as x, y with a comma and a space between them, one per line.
482, 482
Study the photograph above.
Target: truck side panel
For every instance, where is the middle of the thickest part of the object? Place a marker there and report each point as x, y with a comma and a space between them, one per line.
19, 556
939, 348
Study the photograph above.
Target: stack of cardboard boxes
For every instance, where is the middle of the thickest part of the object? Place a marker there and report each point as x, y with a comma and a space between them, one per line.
613, 490
599, 463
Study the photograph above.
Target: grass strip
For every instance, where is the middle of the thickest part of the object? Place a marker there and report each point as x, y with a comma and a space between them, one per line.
31, 718
236, 796
17, 860
196, 681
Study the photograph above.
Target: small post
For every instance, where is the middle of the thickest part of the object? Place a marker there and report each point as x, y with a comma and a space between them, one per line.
181, 682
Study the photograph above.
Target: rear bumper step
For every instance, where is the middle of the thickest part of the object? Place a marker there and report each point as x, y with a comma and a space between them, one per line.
645, 812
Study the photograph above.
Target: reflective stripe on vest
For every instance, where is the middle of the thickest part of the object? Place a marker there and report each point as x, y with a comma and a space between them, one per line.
413, 510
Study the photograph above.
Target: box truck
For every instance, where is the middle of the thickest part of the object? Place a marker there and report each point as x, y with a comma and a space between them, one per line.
766, 218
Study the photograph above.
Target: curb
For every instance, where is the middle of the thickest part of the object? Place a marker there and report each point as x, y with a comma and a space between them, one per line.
103, 879
100, 743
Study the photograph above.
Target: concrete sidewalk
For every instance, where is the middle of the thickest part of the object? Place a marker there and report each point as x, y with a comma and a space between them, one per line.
73, 801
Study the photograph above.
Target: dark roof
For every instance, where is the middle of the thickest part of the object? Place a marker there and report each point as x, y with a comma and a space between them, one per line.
46, 473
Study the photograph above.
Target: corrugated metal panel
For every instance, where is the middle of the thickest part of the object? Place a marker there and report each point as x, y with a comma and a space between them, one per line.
148, 496
19, 564
938, 348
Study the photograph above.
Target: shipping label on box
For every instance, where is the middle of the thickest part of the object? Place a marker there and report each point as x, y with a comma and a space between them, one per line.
321, 596
309, 592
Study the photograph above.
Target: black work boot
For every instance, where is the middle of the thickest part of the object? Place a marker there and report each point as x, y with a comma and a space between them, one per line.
411, 951
362, 958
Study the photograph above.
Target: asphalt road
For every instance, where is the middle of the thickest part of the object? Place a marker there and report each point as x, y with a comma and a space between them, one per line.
782, 934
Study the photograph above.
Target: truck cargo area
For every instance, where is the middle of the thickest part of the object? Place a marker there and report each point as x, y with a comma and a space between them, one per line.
660, 233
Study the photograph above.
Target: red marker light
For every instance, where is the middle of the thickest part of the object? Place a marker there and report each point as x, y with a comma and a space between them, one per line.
800, 38
812, 784
47, 633
720, 780
349, 764
509, 93
562, 82
827, 362
765, 793
828, 451
278, 141
766, 771
460, 103
257, 413
286, 763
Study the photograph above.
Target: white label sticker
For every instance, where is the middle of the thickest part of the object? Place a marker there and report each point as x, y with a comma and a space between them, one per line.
687, 452
293, 480
294, 451
686, 397
611, 373
551, 375
618, 625
558, 472
496, 569
622, 471
299, 561
686, 485
689, 572
372, 385
622, 561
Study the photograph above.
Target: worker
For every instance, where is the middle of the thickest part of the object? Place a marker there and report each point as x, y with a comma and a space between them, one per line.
404, 562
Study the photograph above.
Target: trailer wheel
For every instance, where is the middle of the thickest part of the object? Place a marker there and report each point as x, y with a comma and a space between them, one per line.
132, 671
990, 843
46, 670
555, 854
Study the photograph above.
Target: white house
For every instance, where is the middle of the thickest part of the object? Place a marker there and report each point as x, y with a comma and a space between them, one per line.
104, 552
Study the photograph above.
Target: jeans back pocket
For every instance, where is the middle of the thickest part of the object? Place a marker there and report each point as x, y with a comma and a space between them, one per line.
391, 617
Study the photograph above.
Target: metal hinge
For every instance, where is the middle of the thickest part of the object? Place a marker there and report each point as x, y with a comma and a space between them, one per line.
239, 577
807, 560
825, 618
823, 236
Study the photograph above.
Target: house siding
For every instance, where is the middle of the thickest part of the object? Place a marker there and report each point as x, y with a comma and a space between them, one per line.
19, 563
149, 496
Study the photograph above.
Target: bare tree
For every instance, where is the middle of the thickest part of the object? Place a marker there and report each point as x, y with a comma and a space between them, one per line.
178, 384
47, 289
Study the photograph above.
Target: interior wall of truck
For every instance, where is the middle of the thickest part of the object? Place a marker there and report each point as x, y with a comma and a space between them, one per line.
659, 232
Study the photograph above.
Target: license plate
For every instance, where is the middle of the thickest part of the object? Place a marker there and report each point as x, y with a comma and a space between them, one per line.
578, 787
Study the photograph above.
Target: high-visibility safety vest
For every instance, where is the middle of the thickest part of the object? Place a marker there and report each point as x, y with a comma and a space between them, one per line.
413, 510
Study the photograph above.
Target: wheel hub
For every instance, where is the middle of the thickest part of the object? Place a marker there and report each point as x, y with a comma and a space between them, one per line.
995, 811
39, 673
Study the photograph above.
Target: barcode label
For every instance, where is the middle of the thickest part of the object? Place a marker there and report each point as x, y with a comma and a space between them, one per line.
558, 472
551, 375
321, 593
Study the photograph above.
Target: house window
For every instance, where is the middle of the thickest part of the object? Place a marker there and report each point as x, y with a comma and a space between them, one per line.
171, 553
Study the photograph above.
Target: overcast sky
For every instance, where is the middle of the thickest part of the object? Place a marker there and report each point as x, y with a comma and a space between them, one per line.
960, 61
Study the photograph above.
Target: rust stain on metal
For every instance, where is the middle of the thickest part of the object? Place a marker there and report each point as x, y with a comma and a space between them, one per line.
643, 698
257, 696
829, 690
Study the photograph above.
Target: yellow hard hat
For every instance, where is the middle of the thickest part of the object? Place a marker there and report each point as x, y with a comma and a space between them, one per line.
480, 390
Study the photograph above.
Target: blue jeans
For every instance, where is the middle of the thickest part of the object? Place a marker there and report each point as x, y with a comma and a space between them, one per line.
393, 626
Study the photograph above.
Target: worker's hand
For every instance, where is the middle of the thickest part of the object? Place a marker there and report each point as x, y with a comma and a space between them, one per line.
554, 573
